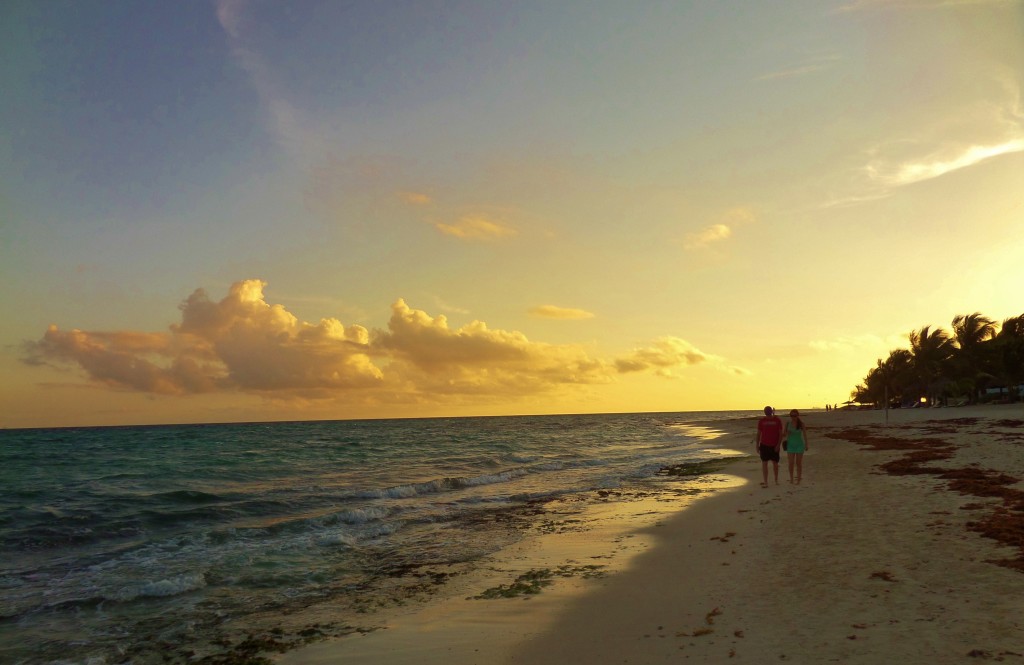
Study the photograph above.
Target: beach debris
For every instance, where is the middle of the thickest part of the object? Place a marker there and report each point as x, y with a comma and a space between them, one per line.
692, 468
249, 650
561, 526
737, 633
533, 581
1005, 522
710, 617
703, 631
529, 583
882, 575
725, 538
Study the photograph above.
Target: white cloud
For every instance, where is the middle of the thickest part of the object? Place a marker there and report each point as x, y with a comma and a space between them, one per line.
294, 131
961, 138
943, 160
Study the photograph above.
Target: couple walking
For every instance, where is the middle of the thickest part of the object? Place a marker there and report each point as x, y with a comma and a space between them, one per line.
773, 435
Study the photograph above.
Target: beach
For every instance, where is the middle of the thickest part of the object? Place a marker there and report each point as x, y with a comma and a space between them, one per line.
904, 542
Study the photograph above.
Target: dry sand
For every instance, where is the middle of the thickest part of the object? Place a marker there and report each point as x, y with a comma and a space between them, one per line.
856, 565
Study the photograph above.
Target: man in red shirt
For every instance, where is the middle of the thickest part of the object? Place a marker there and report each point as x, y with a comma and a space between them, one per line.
768, 442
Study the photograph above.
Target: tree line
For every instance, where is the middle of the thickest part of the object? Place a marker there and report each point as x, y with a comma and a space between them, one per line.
940, 366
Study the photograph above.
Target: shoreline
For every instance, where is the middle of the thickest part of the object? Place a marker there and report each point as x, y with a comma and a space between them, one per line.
854, 565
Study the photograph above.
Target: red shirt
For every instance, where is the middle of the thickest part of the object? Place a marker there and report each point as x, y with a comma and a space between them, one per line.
769, 431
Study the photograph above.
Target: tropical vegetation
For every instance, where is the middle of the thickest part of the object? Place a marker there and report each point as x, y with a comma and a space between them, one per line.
977, 360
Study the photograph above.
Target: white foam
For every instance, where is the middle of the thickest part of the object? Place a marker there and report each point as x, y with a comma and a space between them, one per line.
336, 538
361, 515
172, 586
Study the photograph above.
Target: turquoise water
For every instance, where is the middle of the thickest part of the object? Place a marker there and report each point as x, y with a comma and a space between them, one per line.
132, 544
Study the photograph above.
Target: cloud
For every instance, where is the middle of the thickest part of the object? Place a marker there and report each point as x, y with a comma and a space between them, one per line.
416, 198
239, 343
561, 313
662, 356
722, 228
474, 358
667, 354
243, 344
872, 5
855, 199
447, 307
963, 137
712, 234
815, 65
738, 216
293, 130
943, 160
858, 342
127, 360
476, 227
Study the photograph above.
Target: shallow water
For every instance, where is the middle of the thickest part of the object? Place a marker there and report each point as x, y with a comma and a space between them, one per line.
127, 544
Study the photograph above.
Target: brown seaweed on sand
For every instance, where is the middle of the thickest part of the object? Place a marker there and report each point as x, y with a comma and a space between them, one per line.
1005, 522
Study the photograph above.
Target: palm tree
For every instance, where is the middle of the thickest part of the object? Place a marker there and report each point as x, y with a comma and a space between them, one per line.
888, 380
970, 330
930, 352
896, 374
972, 363
1008, 353
977, 353
1012, 327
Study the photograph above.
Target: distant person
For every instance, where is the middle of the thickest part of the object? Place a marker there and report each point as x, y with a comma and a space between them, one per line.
769, 439
795, 445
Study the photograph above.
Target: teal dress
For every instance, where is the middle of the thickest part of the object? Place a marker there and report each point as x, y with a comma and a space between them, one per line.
795, 441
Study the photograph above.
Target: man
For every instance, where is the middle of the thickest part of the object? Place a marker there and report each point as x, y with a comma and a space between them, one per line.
769, 440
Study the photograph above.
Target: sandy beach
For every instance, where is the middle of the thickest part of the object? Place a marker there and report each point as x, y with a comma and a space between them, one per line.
905, 542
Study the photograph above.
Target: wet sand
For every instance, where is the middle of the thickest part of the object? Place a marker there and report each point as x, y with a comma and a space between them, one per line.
904, 542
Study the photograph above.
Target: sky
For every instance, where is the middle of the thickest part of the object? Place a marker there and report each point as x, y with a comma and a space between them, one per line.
234, 210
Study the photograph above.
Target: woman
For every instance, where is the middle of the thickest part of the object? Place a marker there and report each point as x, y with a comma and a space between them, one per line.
796, 444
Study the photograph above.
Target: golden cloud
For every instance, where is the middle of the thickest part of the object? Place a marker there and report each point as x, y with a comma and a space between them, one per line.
238, 343
712, 234
474, 358
561, 313
662, 356
476, 228
242, 343
416, 198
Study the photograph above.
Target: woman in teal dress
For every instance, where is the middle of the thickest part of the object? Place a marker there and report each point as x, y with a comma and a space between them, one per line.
795, 436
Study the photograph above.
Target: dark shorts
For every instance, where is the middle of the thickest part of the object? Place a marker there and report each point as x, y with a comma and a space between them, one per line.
768, 454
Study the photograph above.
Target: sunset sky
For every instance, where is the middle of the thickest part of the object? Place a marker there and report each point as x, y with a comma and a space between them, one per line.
233, 210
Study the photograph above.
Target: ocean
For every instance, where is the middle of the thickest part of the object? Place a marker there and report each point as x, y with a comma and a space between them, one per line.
178, 543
